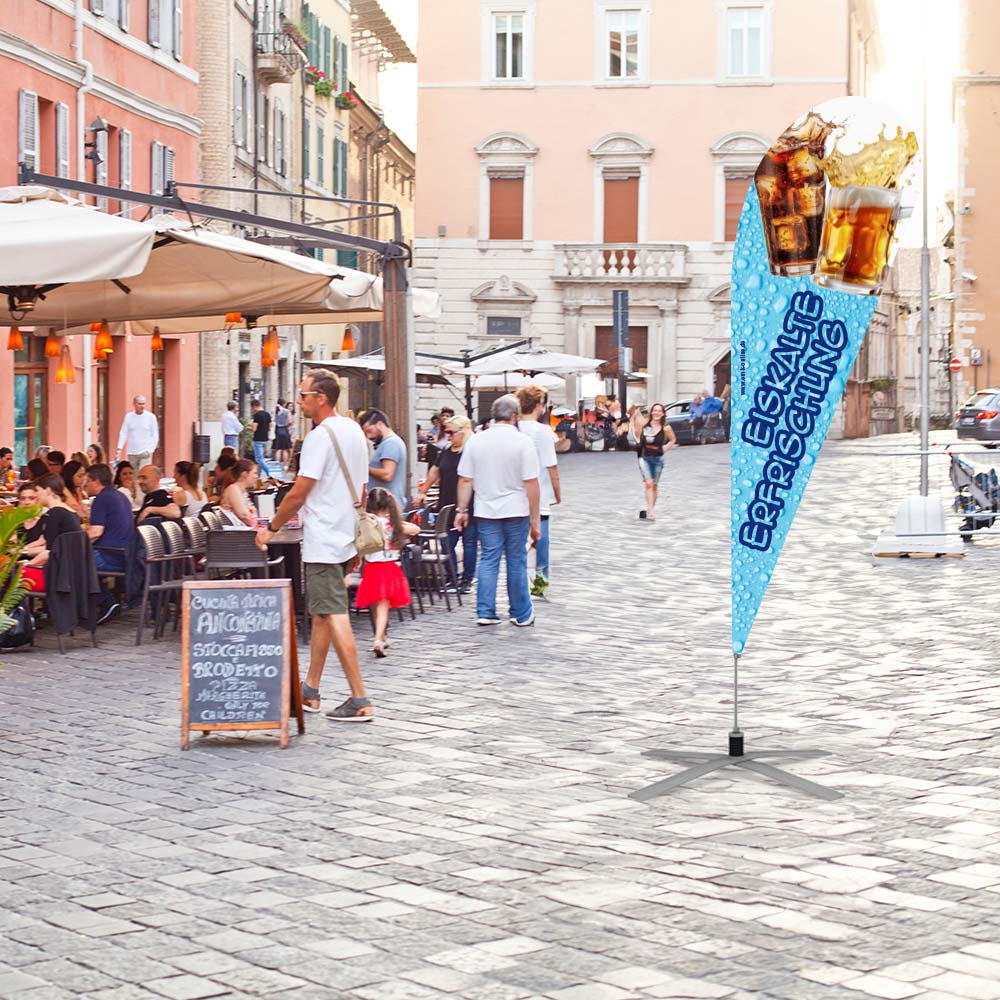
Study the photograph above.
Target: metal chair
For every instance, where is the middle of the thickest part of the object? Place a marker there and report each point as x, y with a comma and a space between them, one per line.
234, 555
437, 554
163, 576
211, 519
195, 532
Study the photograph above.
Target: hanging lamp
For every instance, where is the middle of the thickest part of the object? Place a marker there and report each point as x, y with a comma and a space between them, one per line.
15, 342
65, 375
52, 344
347, 344
156, 342
104, 344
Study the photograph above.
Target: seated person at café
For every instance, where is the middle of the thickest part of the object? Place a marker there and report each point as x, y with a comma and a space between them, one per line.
125, 483
55, 460
58, 520
219, 477
111, 529
6, 463
189, 495
236, 502
74, 475
36, 470
27, 496
156, 502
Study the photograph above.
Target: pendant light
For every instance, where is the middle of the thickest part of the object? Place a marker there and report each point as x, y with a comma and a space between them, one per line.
65, 375
52, 344
15, 342
104, 344
347, 344
156, 342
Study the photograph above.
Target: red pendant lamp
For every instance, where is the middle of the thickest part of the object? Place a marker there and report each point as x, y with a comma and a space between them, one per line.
347, 344
270, 348
104, 344
156, 341
15, 342
65, 375
52, 344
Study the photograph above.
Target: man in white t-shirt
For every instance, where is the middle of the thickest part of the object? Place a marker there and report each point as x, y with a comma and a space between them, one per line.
532, 401
328, 552
140, 434
502, 467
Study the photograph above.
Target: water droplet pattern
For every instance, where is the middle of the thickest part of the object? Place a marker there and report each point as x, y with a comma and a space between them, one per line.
760, 301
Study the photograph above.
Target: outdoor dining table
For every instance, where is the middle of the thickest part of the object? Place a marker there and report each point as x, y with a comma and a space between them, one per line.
288, 544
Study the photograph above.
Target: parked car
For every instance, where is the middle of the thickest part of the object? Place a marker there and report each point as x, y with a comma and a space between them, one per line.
979, 416
714, 428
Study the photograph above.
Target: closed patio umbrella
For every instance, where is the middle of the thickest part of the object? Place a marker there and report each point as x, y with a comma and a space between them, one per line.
532, 361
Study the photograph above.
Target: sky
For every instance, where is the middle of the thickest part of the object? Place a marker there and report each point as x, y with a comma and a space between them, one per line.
399, 83
911, 31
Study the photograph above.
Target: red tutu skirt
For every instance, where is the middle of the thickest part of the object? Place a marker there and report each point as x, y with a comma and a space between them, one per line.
382, 581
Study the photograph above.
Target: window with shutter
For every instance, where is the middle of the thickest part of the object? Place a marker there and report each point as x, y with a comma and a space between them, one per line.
239, 128
280, 129
736, 192
343, 169
506, 207
326, 54
168, 167
27, 129
153, 31
125, 167
124, 12
344, 68
178, 29
101, 166
320, 156
335, 184
156, 168
62, 140
335, 78
306, 143
97, 7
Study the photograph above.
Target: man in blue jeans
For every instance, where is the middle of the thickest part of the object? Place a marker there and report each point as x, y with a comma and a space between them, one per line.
502, 466
112, 527
261, 435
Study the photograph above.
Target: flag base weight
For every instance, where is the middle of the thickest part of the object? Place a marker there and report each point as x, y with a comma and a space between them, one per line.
701, 764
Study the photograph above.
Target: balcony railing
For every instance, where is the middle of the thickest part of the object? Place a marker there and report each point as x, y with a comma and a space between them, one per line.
278, 56
661, 263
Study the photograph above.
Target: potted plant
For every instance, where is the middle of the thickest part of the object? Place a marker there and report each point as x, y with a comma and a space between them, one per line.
314, 74
323, 88
295, 32
12, 590
346, 101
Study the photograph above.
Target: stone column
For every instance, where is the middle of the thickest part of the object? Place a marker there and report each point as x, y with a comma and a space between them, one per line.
665, 384
573, 345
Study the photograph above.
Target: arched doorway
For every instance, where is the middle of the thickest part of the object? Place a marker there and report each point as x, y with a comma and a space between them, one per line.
721, 373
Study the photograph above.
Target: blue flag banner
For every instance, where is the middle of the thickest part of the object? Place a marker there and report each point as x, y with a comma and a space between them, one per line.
793, 346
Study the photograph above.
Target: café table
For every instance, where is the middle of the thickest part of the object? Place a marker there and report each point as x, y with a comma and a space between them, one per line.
288, 544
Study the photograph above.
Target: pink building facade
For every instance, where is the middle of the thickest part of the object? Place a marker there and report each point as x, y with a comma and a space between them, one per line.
568, 149
64, 64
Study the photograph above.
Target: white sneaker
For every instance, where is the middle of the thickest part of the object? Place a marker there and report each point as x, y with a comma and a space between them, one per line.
489, 621
530, 621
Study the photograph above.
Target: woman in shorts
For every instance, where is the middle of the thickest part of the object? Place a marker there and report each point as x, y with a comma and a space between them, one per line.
655, 437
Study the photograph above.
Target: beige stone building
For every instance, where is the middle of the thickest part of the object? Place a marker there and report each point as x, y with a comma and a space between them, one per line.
581, 147
977, 200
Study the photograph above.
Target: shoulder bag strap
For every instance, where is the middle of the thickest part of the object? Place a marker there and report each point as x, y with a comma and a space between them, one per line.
343, 466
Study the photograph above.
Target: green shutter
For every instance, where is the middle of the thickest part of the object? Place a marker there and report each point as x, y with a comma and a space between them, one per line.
326, 54
307, 128
335, 79
344, 68
320, 153
343, 170
336, 167
347, 258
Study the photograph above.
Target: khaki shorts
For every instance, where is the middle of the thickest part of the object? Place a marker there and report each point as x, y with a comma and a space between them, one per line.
326, 588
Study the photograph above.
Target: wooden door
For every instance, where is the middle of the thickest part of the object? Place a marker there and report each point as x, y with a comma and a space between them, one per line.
604, 348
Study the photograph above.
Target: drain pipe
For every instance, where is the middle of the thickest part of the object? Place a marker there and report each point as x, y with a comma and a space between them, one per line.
86, 85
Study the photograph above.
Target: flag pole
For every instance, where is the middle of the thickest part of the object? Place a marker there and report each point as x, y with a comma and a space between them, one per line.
925, 297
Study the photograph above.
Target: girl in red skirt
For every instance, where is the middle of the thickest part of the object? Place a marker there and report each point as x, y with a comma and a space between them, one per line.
383, 585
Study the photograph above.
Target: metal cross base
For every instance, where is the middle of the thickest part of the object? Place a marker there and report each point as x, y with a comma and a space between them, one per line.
706, 763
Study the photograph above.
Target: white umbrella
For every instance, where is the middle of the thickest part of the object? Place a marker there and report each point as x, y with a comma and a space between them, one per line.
191, 277
374, 364
526, 361
49, 239
515, 380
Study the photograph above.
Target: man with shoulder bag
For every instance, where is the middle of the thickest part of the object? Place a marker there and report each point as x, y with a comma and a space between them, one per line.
329, 490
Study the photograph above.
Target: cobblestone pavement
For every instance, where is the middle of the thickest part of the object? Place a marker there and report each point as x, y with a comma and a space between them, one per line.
477, 841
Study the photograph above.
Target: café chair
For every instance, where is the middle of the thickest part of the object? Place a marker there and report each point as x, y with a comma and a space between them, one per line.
437, 554
164, 573
71, 586
234, 555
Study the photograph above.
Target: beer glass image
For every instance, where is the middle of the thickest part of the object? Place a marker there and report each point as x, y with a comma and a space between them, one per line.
857, 238
790, 188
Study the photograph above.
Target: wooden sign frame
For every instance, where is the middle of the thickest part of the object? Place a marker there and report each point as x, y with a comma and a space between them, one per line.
291, 689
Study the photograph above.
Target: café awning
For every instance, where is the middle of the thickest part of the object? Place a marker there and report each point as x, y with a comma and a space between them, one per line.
190, 277
373, 365
530, 361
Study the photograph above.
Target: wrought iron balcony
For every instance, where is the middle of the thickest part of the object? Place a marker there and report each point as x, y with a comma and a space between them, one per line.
278, 56
648, 263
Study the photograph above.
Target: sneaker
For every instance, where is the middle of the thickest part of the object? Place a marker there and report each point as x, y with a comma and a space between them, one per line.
466, 587
489, 621
110, 613
352, 710
524, 624
310, 699
451, 589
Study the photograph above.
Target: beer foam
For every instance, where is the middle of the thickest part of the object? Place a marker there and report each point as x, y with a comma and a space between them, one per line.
877, 164
862, 196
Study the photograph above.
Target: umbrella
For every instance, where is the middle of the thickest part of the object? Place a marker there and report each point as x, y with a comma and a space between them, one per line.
527, 361
374, 364
515, 380
191, 277
47, 240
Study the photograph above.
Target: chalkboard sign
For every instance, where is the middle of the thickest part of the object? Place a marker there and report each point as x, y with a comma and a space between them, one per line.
239, 658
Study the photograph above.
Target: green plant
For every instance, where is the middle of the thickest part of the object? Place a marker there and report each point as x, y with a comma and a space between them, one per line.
882, 384
11, 543
323, 88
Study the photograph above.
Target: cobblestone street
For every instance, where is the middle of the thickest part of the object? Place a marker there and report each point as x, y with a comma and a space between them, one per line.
477, 840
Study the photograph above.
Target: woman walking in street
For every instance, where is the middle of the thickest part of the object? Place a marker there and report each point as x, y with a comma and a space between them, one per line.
655, 437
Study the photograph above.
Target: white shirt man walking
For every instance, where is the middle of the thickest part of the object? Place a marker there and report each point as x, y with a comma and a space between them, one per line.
502, 466
232, 426
140, 434
532, 399
328, 519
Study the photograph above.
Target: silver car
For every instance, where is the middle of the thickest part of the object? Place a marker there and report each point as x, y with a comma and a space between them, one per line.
979, 416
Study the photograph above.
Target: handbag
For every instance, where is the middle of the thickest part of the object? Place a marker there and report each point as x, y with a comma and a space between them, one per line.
22, 631
369, 536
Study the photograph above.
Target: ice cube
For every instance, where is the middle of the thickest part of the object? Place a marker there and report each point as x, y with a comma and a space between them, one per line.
802, 167
808, 200
790, 234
